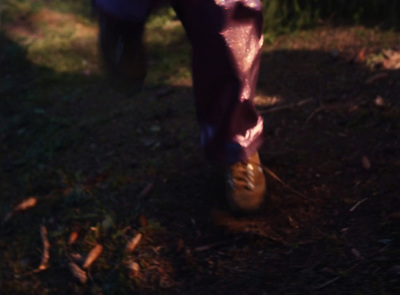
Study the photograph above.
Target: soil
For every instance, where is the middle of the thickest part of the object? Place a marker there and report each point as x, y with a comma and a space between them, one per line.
130, 163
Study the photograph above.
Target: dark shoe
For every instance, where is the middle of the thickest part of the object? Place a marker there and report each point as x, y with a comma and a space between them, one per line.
246, 186
121, 44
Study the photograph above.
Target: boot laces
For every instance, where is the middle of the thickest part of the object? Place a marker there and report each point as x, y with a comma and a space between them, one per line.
241, 176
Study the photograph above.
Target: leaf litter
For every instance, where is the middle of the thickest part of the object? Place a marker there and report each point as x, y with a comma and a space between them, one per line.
24, 205
78, 273
133, 243
92, 256
44, 264
232, 272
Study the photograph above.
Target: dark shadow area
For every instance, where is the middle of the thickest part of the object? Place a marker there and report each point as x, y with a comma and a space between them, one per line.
88, 153
333, 136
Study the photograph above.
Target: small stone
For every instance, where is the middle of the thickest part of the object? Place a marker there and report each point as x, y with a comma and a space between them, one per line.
379, 101
366, 163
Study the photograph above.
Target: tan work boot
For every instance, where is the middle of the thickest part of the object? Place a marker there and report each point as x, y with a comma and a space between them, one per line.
245, 185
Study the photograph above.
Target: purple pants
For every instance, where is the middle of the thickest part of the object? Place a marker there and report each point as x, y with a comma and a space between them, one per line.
226, 38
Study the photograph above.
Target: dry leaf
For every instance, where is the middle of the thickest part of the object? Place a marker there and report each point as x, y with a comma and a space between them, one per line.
72, 238
44, 264
366, 163
132, 244
392, 61
24, 205
133, 268
92, 256
77, 272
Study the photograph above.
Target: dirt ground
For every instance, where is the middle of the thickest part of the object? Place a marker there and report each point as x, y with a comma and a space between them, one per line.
104, 166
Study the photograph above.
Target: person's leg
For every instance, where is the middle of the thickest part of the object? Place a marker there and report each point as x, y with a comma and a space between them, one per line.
121, 27
226, 36
128, 10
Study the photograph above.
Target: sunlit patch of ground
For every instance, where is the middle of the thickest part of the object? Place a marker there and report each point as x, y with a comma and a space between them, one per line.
58, 41
267, 101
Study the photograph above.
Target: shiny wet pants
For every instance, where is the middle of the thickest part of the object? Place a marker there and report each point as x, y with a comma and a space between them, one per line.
226, 38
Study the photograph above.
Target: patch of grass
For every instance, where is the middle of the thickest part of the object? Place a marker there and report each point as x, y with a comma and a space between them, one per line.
13, 9
167, 36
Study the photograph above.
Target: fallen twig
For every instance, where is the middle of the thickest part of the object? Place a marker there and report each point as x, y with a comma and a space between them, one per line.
357, 204
214, 245
322, 108
287, 106
264, 235
274, 176
210, 246
44, 264
375, 78
328, 283
314, 112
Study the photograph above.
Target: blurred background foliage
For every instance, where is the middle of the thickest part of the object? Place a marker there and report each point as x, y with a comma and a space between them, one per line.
281, 16
277, 12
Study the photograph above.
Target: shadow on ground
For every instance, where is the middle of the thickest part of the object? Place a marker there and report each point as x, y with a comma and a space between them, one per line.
86, 152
